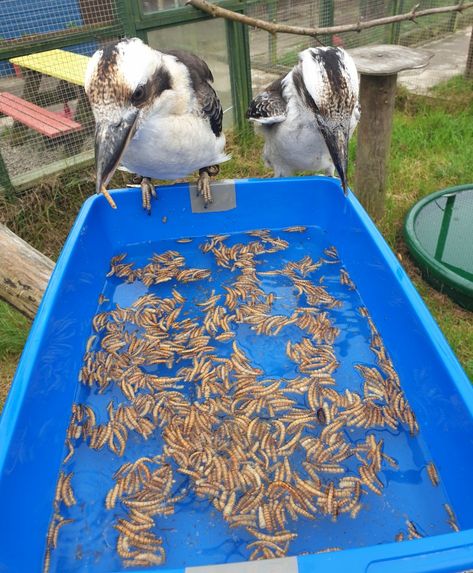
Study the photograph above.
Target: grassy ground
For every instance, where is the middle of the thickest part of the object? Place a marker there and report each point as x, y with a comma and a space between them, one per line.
431, 149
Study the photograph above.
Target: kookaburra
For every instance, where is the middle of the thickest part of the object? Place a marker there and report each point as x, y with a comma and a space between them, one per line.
156, 115
308, 116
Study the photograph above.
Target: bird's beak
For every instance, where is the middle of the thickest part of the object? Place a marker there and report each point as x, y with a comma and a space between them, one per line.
111, 140
337, 143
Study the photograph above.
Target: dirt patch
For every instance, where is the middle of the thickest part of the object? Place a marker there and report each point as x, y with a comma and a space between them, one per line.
7, 370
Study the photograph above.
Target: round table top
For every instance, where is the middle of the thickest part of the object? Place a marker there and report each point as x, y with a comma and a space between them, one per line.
387, 59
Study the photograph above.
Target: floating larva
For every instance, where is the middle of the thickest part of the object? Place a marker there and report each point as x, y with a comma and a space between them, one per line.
295, 229
433, 475
262, 450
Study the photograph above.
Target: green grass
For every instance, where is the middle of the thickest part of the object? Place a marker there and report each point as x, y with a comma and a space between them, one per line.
462, 89
13, 332
431, 149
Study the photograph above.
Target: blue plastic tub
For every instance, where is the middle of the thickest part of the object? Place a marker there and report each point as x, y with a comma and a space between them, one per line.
37, 412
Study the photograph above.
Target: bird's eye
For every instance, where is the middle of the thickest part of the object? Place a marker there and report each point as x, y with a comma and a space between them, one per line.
138, 95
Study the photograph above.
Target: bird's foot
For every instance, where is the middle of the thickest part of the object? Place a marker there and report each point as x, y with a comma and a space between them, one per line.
147, 191
203, 188
203, 183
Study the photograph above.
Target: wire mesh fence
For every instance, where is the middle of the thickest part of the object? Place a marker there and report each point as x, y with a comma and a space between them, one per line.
275, 54
46, 124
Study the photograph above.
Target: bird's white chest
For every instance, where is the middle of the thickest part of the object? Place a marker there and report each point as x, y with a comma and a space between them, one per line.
297, 143
172, 147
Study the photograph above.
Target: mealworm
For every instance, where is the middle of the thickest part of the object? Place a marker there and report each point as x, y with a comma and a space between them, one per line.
146, 559
452, 520
67, 494
412, 530
47, 560
283, 536
433, 475
295, 229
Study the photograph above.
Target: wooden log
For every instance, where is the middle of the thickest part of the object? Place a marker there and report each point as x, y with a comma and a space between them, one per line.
377, 94
469, 61
24, 273
378, 67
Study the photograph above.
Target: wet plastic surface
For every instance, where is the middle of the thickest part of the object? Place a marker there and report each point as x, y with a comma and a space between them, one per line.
35, 418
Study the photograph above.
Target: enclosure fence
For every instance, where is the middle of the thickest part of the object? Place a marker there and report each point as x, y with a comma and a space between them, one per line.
46, 125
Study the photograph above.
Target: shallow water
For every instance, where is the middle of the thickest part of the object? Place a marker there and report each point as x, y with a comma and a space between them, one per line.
197, 534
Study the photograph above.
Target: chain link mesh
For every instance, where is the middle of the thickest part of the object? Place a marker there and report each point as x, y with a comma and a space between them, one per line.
272, 55
33, 140
54, 84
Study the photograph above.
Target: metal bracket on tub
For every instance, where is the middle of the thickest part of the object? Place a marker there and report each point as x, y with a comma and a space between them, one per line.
223, 193
281, 565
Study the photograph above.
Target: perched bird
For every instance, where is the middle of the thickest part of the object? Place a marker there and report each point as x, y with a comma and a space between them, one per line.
156, 115
308, 116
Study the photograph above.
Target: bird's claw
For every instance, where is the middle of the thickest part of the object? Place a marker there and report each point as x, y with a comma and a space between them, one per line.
203, 188
147, 191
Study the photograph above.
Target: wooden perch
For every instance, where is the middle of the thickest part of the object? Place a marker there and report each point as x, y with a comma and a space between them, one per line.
274, 27
24, 273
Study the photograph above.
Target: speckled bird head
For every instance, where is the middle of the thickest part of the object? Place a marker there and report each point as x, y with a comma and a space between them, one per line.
124, 82
327, 80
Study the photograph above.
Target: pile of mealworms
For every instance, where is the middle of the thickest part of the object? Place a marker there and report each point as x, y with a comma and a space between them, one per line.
226, 425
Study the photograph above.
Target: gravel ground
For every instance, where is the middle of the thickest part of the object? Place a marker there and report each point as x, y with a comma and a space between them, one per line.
28, 156
33, 152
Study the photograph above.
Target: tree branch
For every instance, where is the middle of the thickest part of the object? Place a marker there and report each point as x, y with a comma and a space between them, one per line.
273, 27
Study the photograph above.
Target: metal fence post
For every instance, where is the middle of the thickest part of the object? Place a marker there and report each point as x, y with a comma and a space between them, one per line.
272, 38
326, 18
469, 61
5, 181
398, 8
240, 75
126, 10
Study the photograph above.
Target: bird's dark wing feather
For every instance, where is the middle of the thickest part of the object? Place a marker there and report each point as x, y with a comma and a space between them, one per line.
269, 106
201, 77
211, 106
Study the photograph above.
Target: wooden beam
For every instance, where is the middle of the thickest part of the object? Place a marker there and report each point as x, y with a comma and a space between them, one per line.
24, 273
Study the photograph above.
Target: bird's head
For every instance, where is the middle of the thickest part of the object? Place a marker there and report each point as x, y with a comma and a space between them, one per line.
328, 81
123, 82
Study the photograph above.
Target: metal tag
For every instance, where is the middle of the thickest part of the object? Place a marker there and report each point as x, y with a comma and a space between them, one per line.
282, 565
224, 197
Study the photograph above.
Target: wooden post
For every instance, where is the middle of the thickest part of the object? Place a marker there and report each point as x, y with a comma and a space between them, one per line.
378, 67
377, 94
24, 273
469, 61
